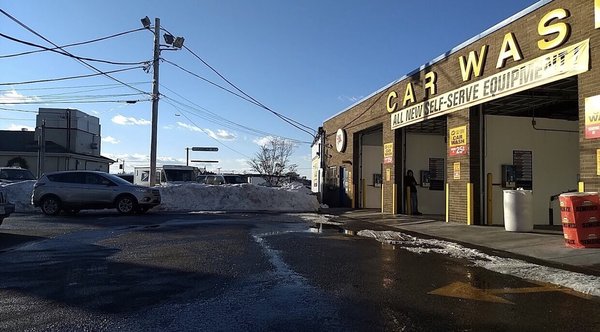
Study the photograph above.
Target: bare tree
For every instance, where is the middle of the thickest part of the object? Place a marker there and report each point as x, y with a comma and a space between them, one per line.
273, 160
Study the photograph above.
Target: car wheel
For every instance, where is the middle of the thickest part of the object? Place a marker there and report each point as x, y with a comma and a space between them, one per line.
126, 205
50, 205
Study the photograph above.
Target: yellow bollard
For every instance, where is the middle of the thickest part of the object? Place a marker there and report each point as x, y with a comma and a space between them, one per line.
469, 203
490, 200
394, 193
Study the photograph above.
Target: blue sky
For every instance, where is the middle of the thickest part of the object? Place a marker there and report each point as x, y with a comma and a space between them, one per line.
307, 60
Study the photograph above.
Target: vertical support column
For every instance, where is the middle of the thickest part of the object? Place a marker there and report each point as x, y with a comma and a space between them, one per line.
363, 192
490, 199
394, 195
382, 191
457, 179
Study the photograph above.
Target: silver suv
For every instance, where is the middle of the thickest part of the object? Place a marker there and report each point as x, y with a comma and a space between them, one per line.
71, 191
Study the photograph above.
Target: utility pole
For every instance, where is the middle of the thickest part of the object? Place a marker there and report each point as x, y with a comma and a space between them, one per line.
41, 149
154, 102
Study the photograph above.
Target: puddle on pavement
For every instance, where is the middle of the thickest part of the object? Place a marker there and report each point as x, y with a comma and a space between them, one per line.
321, 228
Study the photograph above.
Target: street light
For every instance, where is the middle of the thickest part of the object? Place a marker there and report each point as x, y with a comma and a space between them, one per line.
177, 44
146, 22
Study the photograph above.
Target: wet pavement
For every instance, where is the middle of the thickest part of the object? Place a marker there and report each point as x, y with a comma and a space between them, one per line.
544, 245
254, 272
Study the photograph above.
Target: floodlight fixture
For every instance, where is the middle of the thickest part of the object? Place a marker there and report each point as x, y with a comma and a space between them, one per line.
168, 38
178, 42
146, 22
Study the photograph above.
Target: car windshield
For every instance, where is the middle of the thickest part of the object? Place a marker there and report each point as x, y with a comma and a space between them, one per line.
179, 175
16, 174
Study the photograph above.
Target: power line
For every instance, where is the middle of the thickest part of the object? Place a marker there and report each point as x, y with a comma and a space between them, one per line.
66, 96
75, 102
81, 61
211, 82
207, 134
75, 77
217, 119
74, 44
105, 87
17, 110
290, 121
16, 119
70, 55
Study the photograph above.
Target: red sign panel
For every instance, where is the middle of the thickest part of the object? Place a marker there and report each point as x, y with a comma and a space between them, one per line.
460, 150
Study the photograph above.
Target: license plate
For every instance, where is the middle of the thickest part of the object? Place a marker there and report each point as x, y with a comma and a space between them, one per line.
2, 210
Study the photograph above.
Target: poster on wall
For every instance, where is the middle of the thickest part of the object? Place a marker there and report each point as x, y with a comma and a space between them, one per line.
458, 141
592, 117
597, 161
523, 163
436, 173
456, 168
388, 153
597, 13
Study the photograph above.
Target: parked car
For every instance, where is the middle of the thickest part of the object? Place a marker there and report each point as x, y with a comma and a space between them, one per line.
15, 174
126, 177
72, 191
235, 179
213, 179
6, 208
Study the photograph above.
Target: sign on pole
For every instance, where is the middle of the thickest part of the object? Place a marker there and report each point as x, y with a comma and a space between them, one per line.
205, 161
204, 148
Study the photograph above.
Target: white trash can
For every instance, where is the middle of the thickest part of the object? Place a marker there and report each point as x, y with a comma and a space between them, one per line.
518, 210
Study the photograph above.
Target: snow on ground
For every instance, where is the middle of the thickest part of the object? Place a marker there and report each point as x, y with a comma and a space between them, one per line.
586, 284
236, 197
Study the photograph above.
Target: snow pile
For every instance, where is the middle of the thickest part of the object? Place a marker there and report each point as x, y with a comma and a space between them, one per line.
201, 197
296, 187
19, 193
236, 197
586, 284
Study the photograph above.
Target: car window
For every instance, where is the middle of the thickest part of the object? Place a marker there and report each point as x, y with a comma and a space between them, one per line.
117, 179
67, 177
96, 179
16, 174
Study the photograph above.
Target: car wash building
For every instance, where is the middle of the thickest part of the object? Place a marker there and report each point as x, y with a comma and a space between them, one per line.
517, 106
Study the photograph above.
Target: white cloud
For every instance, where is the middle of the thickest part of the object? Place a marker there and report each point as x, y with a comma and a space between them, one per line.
129, 121
189, 127
263, 140
110, 140
169, 127
13, 97
19, 127
221, 134
267, 139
